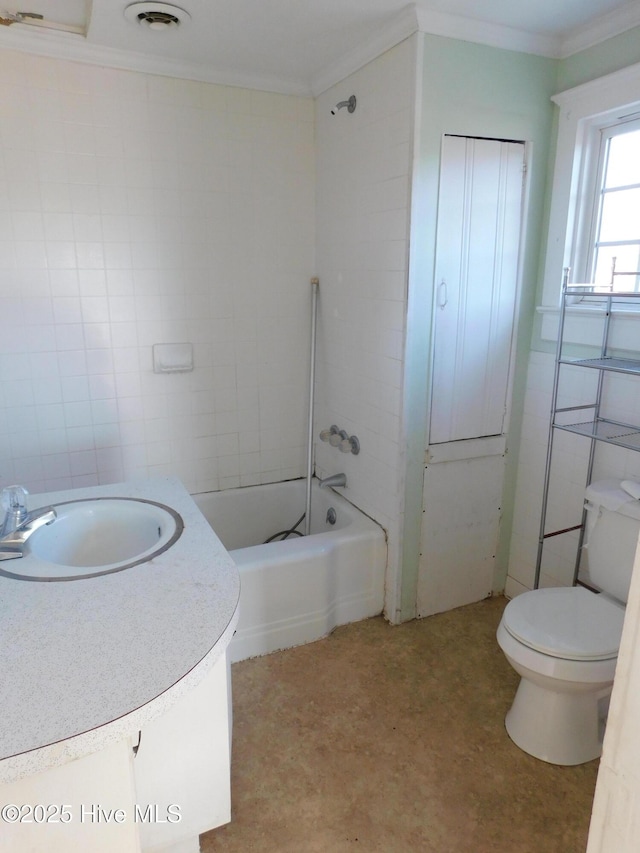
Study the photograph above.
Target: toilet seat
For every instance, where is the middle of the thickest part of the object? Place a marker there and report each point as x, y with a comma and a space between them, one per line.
566, 622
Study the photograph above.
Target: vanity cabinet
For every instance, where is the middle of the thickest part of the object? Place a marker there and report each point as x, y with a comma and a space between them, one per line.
90, 664
155, 793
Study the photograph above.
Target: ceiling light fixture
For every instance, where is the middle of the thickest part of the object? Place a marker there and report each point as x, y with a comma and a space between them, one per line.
158, 17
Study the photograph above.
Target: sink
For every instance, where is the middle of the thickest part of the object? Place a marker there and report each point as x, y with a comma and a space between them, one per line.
97, 536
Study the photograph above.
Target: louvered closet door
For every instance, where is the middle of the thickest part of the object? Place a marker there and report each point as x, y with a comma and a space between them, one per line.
478, 238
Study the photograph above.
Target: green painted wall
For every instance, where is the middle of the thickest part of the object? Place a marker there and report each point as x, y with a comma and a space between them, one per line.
604, 58
470, 89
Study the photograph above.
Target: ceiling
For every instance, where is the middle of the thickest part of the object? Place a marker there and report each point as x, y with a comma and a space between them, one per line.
301, 46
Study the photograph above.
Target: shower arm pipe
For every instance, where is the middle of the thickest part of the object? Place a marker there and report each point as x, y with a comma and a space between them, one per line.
315, 283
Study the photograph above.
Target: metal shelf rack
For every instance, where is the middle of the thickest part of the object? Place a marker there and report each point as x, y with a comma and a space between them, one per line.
596, 428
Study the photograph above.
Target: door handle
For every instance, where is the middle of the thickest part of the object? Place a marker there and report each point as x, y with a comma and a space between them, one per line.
442, 294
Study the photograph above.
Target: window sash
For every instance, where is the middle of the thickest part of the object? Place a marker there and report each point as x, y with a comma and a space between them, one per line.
612, 264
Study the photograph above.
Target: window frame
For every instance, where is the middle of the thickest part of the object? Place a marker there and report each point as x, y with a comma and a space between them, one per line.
586, 247
584, 111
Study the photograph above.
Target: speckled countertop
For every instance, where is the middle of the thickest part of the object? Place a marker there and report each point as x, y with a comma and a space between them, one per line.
84, 663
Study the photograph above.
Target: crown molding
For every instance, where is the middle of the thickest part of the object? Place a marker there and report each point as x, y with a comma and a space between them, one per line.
605, 27
412, 19
482, 32
75, 48
400, 27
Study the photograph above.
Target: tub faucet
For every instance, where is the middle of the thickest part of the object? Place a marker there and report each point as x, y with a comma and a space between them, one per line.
334, 480
19, 523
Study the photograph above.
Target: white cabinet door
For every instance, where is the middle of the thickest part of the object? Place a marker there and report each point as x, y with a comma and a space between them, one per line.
84, 806
182, 770
478, 239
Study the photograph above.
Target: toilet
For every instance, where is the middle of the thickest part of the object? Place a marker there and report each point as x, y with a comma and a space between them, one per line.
563, 642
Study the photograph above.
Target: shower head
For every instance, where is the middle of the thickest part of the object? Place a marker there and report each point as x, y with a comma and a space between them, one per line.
350, 105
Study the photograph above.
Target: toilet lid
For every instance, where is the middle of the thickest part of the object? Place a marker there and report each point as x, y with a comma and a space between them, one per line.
566, 622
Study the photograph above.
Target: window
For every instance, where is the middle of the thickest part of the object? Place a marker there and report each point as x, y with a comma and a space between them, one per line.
613, 260
591, 114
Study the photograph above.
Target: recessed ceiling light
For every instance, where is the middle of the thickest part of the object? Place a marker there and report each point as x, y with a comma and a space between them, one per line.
158, 17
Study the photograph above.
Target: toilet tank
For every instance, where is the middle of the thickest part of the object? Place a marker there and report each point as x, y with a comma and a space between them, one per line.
612, 530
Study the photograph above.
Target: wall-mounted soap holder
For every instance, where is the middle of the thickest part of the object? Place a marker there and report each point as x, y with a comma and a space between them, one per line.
340, 438
172, 358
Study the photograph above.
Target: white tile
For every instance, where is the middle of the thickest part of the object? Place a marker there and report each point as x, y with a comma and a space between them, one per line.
128, 385
90, 256
82, 463
56, 466
87, 227
74, 388
124, 334
61, 255
88, 188
107, 436
84, 197
25, 444
104, 411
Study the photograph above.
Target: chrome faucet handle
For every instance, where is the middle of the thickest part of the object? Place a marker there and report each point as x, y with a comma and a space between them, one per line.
14, 503
14, 497
12, 542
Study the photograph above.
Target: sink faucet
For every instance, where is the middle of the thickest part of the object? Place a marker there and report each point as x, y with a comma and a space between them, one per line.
19, 523
334, 480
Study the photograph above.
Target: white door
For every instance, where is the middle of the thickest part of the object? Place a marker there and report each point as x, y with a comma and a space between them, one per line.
478, 239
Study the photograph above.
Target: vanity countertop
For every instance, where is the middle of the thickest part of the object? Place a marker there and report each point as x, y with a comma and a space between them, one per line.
85, 663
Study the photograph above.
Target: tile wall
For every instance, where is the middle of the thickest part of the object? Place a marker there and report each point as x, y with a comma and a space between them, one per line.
364, 173
134, 210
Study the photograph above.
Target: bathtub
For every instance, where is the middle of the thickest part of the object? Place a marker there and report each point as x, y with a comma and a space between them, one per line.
300, 589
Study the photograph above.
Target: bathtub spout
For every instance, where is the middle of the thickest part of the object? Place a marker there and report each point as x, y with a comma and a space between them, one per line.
334, 480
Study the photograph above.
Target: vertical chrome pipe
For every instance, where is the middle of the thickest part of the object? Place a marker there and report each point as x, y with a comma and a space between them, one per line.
554, 399
312, 379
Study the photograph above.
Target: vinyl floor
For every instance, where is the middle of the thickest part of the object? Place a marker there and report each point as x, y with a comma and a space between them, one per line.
391, 738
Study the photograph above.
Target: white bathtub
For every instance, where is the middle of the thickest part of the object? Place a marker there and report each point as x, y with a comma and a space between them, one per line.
298, 590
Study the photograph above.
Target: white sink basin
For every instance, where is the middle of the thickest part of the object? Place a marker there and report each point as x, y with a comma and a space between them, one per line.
97, 536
